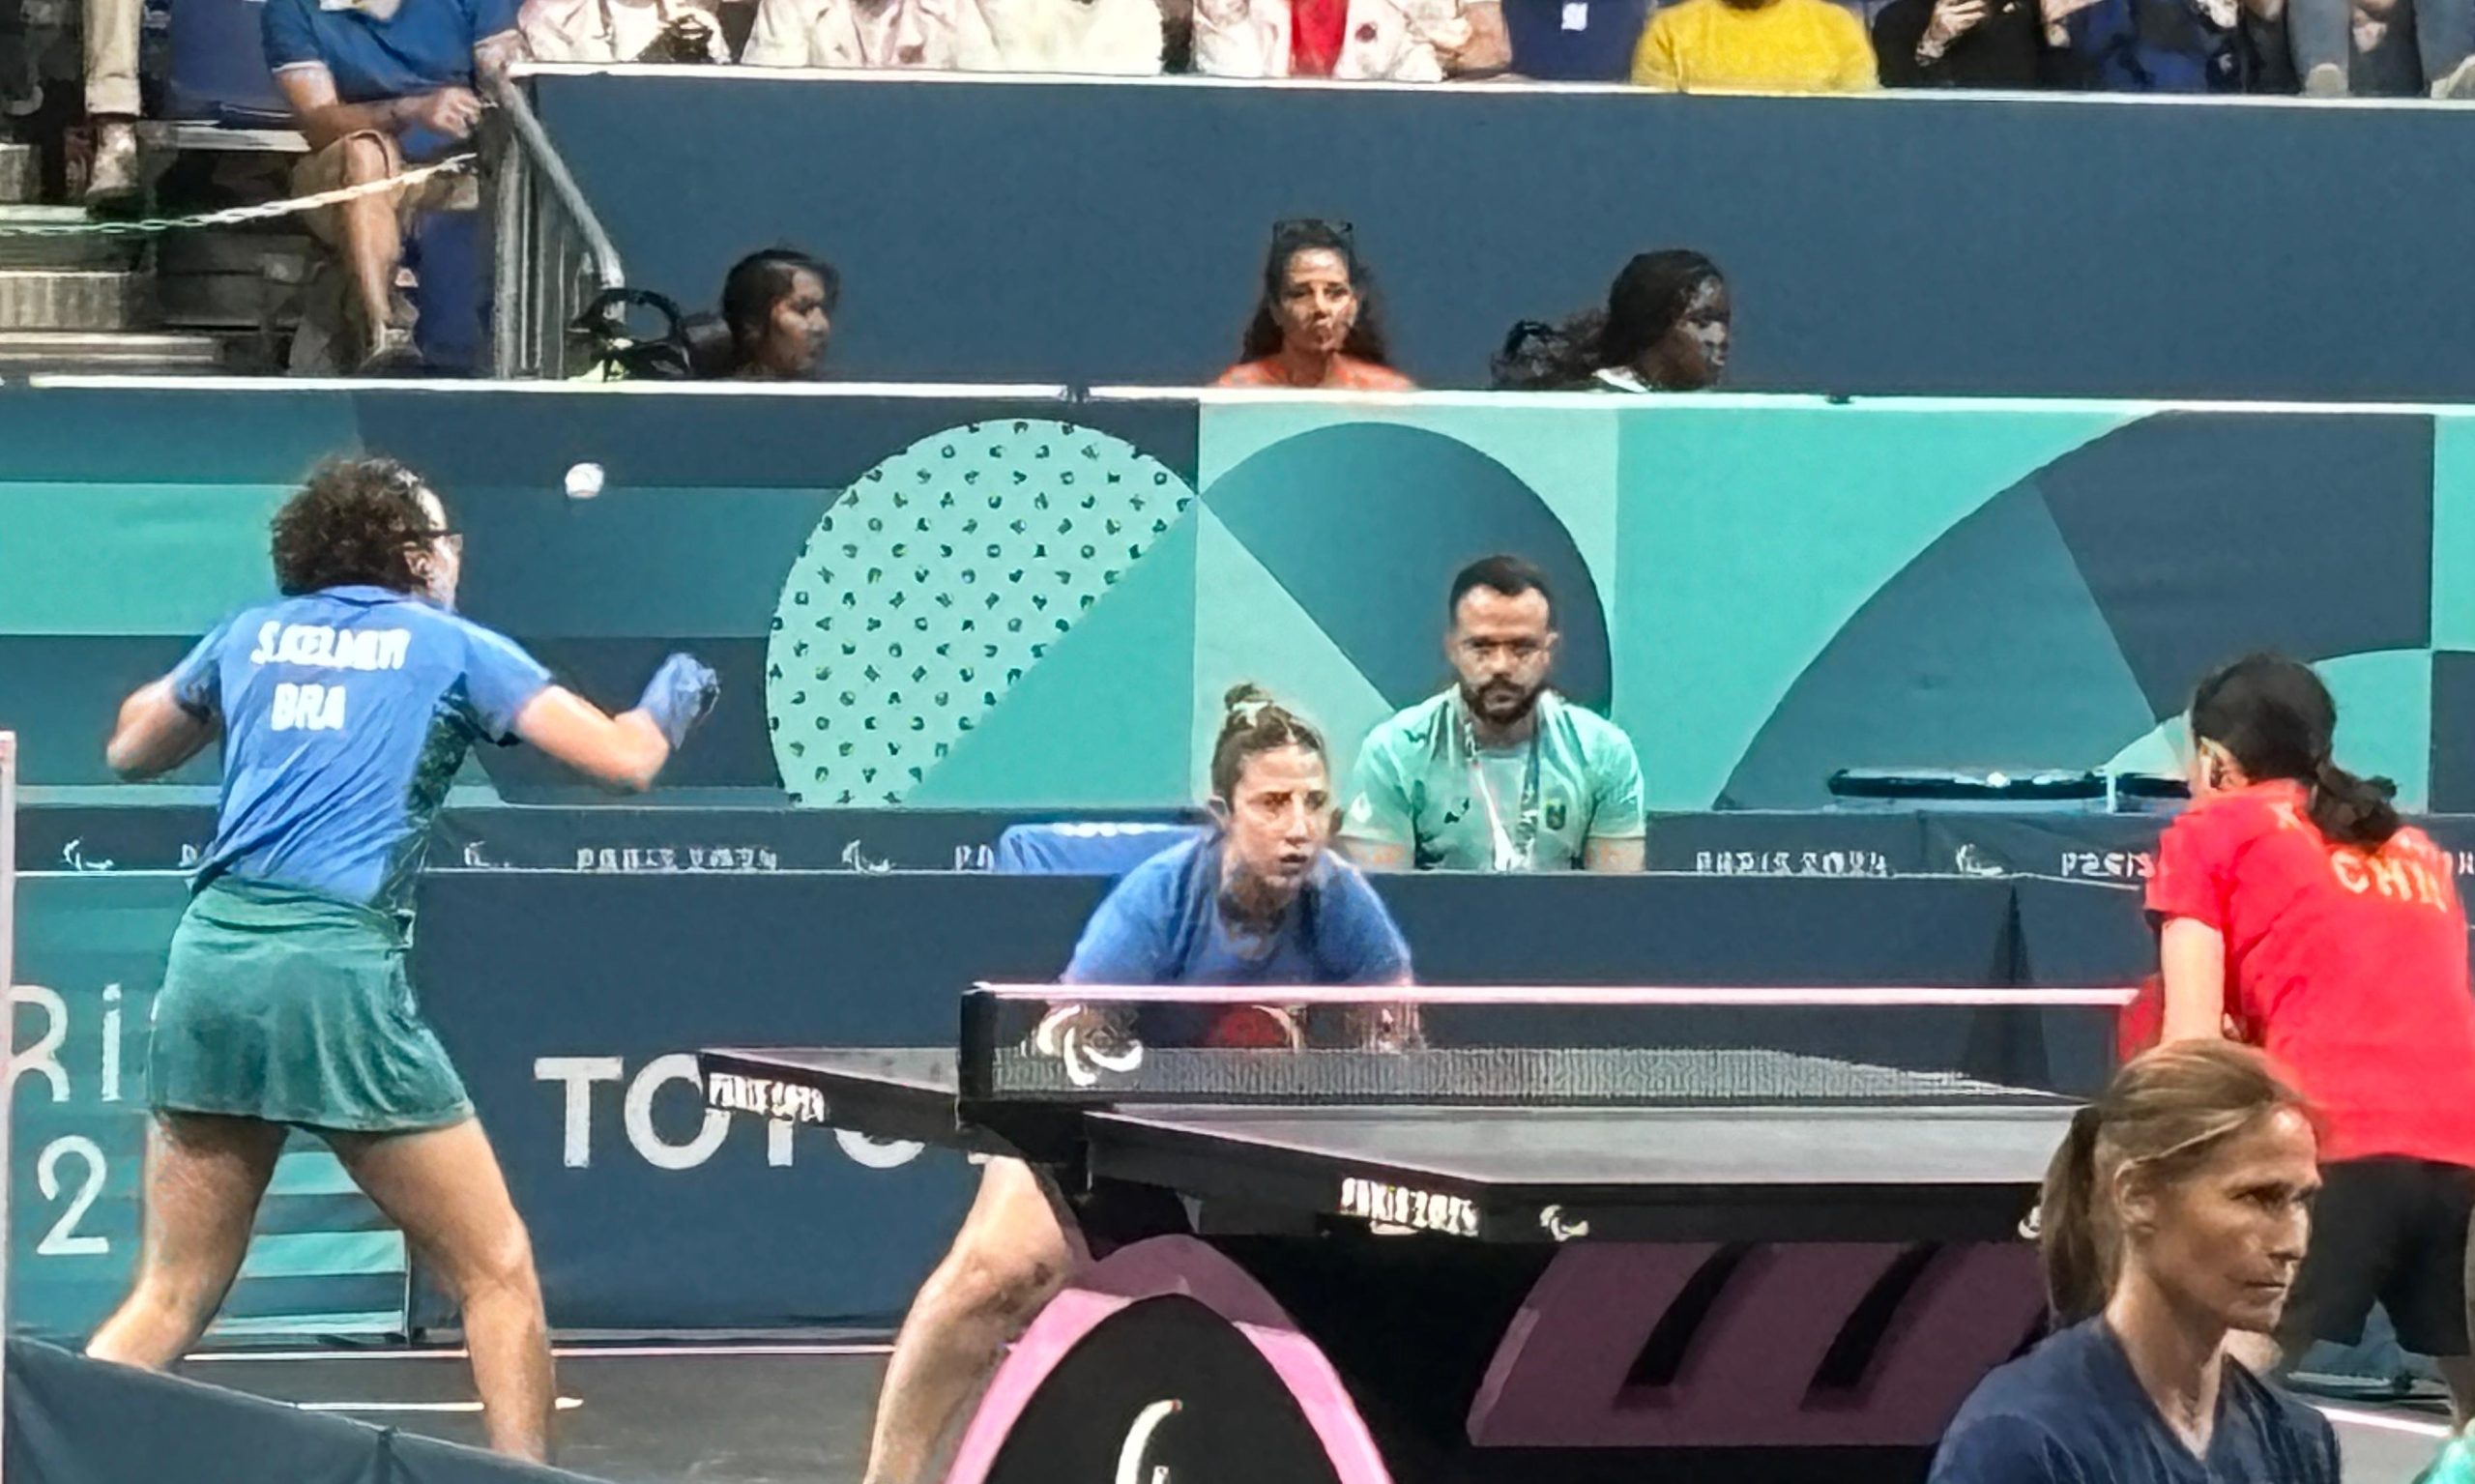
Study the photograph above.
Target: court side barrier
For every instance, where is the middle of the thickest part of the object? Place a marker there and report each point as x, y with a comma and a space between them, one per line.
574, 1003
612, 839
71, 1421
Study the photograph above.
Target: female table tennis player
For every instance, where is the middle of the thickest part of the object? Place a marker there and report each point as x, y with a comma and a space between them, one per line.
1256, 900
345, 706
2294, 906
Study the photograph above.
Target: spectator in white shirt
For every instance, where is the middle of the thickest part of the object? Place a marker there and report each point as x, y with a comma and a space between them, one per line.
1109, 38
622, 31
1394, 40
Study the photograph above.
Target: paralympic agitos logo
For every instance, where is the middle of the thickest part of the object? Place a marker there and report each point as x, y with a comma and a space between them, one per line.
1086, 1044
1132, 1454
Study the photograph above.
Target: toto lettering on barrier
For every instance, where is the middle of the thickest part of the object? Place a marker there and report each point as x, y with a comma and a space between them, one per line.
578, 1076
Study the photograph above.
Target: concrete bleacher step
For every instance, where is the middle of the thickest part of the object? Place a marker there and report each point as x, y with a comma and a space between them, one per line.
73, 299
61, 251
25, 352
230, 280
20, 174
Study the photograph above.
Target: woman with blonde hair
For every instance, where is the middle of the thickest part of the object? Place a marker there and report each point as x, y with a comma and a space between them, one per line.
2175, 1214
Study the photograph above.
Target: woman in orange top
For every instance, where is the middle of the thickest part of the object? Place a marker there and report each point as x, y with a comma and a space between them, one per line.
2295, 902
1316, 324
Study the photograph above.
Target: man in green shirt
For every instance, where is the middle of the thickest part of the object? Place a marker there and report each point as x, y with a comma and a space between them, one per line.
1500, 773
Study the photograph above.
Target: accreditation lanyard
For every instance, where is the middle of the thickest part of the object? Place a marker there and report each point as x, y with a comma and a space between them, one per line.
1515, 849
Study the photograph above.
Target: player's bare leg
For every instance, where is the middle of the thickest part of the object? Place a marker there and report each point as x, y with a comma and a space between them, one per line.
2458, 1374
205, 1175
1010, 1259
444, 1188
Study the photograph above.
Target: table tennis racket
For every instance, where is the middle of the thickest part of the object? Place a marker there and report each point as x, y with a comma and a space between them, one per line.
1254, 1028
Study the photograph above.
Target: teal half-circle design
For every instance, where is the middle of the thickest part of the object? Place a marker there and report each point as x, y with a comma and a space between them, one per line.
2384, 723
1365, 525
2074, 612
936, 581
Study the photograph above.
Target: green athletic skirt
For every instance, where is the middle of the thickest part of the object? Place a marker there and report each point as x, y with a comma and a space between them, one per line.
294, 1008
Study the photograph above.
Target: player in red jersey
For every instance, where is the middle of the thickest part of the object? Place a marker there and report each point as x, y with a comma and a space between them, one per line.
2296, 911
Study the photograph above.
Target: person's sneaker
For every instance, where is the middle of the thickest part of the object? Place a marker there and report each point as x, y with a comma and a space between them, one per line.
111, 181
2326, 81
2459, 83
392, 353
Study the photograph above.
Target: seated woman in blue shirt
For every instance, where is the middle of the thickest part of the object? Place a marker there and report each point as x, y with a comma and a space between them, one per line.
2176, 1213
1258, 900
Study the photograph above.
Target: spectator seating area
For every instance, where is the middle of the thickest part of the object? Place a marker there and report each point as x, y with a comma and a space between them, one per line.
222, 295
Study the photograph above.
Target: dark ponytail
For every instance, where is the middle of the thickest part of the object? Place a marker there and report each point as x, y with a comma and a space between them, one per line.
2166, 1112
1254, 724
2079, 1274
2278, 721
2352, 811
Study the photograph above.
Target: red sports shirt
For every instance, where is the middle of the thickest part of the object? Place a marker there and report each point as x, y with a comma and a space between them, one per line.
2350, 967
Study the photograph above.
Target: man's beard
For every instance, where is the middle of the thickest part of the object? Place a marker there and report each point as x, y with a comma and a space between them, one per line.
1477, 701
1252, 904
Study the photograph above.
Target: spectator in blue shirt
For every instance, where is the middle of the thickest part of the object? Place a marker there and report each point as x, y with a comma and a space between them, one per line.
375, 84
2175, 1214
1258, 900
2163, 46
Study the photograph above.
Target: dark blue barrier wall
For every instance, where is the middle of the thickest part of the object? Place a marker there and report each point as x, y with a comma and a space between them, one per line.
573, 1004
1098, 233
71, 1421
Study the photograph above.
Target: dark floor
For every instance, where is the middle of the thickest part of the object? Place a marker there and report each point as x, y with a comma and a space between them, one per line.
798, 1414
739, 1416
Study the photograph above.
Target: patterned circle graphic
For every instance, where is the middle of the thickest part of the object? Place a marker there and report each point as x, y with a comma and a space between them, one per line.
936, 581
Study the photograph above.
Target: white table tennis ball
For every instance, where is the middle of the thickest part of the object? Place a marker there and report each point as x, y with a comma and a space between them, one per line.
584, 481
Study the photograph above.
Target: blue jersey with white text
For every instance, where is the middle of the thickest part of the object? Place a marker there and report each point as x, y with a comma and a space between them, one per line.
1163, 925
345, 713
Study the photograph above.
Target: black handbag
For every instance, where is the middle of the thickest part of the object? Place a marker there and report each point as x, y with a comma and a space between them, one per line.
688, 347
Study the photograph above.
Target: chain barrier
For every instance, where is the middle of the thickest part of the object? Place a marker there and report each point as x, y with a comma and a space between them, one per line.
233, 215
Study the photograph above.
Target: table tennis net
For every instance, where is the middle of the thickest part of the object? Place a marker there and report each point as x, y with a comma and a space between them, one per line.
1530, 1049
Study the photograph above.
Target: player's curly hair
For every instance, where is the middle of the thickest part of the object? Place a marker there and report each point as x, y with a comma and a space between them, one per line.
1254, 724
354, 522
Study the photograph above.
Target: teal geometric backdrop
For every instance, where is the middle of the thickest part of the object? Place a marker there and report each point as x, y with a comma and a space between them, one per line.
1759, 590
1031, 602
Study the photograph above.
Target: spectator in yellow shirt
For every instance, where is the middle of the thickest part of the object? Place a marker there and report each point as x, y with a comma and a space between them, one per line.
1755, 46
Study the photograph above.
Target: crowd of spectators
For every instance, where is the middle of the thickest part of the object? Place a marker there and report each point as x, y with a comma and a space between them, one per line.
2318, 48
380, 85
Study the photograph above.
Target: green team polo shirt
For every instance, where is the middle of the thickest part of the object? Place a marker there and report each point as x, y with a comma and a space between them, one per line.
1422, 782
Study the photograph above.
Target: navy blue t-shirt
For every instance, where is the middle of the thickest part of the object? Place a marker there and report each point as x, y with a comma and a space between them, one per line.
425, 46
2071, 1411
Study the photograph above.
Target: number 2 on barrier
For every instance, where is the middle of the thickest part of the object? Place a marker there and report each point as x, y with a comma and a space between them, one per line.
63, 1239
